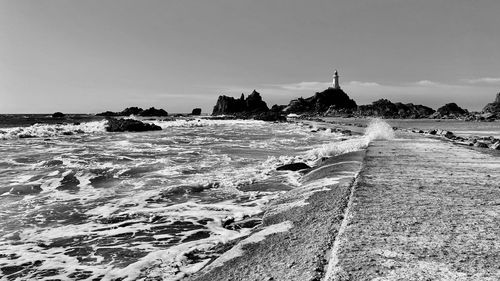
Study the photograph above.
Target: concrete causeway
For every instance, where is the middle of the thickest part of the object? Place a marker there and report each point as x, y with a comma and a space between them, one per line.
419, 209
422, 209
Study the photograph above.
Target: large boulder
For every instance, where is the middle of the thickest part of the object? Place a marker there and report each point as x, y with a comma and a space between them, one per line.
494, 107
58, 115
330, 99
196, 111
129, 125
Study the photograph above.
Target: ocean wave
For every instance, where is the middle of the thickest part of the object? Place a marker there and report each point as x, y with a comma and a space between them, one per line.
53, 130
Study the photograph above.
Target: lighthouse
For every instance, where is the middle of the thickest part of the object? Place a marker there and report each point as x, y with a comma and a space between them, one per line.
336, 84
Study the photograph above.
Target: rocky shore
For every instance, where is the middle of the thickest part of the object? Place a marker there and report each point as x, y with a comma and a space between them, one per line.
475, 141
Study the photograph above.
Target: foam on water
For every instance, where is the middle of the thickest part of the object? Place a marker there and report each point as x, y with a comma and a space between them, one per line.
53, 130
129, 205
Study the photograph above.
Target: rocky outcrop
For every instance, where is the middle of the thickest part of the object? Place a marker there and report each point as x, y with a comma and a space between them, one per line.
330, 99
385, 108
58, 115
293, 167
494, 107
136, 111
253, 104
196, 112
450, 111
153, 112
129, 125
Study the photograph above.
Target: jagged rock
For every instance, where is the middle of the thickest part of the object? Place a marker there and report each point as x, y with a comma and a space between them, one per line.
196, 111
69, 182
330, 99
153, 112
493, 107
385, 108
129, 125
293, 167
58, 115
131, 111
229, 105
135, 111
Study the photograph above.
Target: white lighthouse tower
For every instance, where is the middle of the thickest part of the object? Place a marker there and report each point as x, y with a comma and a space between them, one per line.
336, 84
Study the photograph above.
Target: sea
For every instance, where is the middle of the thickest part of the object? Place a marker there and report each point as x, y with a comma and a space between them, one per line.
80, 203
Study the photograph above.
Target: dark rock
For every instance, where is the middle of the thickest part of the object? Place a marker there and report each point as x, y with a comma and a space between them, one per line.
228, 105
69, 182
135, 111
108, 114
131, 111
293, 167
25, 189
58, 115
196, 111
129, 125
387, 109
245, 223
331, 99
480, 144
153, 112
494, 107
450, 110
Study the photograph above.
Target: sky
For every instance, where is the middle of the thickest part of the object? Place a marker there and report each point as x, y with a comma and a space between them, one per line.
96, 55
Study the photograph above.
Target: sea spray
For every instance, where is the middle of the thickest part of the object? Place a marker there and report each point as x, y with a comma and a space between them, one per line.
379, 130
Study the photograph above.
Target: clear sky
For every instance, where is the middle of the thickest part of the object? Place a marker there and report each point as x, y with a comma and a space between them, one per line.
96, 55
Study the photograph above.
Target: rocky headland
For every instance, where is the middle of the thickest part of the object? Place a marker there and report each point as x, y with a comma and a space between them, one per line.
252, 107
334, 102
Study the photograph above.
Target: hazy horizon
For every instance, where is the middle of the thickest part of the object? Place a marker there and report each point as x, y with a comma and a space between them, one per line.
93, 56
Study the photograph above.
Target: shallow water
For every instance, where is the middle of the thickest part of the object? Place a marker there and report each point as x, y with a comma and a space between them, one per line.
462, 128
80, 203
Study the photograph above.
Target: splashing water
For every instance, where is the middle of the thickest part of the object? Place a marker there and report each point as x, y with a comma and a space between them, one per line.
379, 130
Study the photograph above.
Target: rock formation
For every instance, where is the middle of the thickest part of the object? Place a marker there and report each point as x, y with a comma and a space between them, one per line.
493, 107
230, 106
129, 125
136, 111
331, 98
385, 108
153, 112
58, 115
196, 111
450, 111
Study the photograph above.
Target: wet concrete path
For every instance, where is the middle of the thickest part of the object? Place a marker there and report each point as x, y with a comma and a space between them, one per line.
422, 209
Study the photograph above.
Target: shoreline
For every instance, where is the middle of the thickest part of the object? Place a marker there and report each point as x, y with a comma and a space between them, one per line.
300, 250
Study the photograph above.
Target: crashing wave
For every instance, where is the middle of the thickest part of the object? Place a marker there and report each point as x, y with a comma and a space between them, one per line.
53, 130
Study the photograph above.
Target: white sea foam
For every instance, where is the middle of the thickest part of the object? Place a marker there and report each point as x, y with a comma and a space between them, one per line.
379, 130
53, 130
